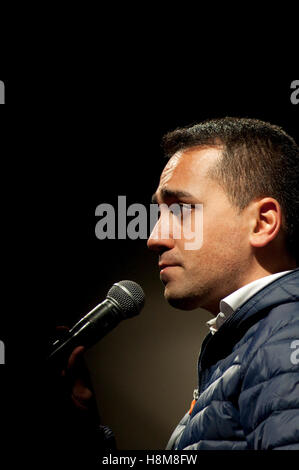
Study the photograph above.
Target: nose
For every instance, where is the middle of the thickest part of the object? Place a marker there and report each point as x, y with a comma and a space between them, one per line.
161, 238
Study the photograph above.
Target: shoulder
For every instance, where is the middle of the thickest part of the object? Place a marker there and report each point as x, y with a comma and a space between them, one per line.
282, 321
271, 341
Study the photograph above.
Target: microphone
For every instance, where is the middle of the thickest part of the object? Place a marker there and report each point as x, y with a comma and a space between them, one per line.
124, 300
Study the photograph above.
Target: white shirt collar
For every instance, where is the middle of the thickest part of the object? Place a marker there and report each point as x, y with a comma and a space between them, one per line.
229, 304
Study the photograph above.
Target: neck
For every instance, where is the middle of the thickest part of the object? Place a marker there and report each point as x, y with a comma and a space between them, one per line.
262, 266
257, 271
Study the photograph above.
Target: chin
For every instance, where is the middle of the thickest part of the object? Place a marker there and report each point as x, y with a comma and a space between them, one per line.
182, 302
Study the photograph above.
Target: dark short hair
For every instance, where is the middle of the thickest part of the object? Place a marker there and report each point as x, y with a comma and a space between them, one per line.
258, 159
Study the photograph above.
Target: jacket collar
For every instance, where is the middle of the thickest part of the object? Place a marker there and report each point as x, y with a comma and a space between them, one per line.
282, 290
232, 302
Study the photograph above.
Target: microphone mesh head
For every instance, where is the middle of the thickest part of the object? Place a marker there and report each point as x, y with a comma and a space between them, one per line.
129, 296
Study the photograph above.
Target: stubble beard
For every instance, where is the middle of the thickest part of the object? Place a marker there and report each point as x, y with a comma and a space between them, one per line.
188, 298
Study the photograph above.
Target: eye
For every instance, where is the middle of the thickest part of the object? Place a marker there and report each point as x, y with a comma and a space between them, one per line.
181, 210
186, 208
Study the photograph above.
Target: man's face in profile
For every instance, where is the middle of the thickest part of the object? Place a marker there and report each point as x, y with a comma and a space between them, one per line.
200, 277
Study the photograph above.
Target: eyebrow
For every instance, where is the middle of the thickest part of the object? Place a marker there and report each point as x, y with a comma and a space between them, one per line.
171, 194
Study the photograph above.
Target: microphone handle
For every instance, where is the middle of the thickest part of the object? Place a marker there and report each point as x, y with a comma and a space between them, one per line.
97, 324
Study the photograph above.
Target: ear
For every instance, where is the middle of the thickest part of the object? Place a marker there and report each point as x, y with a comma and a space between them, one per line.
266, 221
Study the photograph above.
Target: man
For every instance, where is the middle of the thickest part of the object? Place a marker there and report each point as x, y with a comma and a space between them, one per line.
245, 174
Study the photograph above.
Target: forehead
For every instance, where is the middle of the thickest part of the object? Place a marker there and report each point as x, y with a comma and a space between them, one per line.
187, 170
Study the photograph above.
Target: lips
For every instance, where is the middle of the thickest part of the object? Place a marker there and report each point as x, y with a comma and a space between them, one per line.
167, 273
163, 266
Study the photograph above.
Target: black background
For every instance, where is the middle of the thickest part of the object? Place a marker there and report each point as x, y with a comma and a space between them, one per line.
77, 140
73, 140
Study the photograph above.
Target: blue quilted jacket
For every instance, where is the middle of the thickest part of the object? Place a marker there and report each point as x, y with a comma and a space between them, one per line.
248, 396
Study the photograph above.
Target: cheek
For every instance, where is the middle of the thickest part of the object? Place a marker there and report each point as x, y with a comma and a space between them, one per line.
223, 237
224, 241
